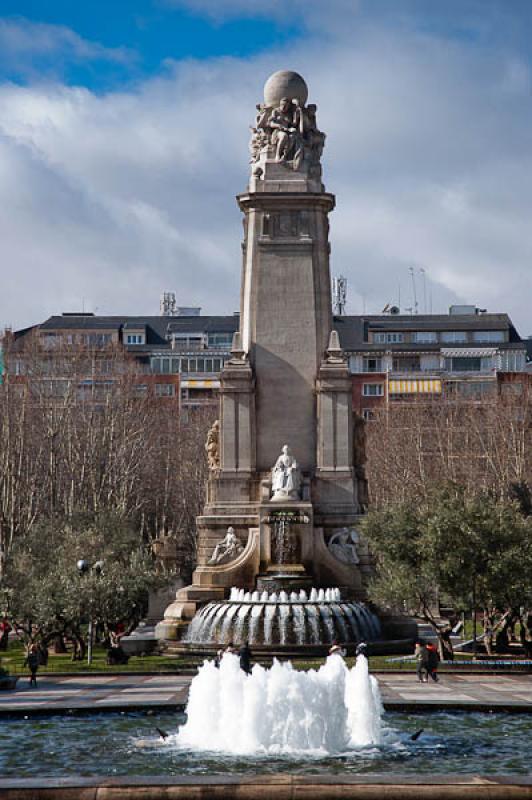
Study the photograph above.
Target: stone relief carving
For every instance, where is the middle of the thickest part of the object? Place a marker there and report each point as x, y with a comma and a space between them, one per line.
286, 224
286, 477
287, 133
212, 445
343, 545
227, 549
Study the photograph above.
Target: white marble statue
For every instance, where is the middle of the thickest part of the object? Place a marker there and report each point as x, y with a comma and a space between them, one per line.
343, 545
228, 549
286, 477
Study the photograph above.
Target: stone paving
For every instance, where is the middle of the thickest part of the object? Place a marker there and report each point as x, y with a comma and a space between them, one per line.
400, 691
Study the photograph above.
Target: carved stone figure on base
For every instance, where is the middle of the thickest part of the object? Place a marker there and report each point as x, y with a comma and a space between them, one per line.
228, 549
286, 129
212, 446
284, 123
343, 546
286, 477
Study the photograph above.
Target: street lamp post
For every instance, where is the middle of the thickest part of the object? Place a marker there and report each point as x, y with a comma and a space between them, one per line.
84, 567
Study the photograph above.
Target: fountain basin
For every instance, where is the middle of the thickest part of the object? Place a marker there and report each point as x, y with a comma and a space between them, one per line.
283, 620
66, 749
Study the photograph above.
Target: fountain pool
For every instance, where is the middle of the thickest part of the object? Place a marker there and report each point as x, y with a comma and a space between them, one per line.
128, 745
340, 728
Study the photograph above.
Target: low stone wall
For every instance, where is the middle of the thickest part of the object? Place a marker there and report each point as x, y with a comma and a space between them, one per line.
282, 787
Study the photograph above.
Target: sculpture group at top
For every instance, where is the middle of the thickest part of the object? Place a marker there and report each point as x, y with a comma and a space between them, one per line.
285, 128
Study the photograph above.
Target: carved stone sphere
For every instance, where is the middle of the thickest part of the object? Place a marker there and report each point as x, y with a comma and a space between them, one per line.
285, 83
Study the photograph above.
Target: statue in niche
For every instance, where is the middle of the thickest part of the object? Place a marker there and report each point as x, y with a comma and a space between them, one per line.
286, 477
212, 446
228, 549
343, 545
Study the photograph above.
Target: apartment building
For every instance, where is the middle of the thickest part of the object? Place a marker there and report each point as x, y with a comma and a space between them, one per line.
467, 353
392, 357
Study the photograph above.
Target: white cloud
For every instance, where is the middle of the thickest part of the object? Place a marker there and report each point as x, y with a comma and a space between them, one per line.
116, 198
22, 38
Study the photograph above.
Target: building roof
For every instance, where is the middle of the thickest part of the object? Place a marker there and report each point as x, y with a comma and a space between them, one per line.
353, 330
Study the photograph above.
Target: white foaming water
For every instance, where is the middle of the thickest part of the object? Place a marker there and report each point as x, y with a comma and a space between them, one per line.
282, 710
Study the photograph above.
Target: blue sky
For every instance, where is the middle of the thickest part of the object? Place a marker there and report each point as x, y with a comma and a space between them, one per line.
123, 140
148, 33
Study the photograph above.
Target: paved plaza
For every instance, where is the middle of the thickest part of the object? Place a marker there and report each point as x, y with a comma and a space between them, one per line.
123, 692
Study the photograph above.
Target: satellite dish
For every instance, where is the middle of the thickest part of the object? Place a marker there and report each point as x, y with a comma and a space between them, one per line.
395, 310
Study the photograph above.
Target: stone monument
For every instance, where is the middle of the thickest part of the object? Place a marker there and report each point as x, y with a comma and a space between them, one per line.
286, 389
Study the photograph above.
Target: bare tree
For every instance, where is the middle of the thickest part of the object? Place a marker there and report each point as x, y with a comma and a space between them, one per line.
83, 433
485, 445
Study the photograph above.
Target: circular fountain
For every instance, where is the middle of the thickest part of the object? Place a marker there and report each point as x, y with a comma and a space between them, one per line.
283, 620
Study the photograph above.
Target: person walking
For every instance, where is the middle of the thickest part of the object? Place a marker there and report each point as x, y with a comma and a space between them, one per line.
422, 661
433, 660
337, 649
32, 661
361, 650
245, 658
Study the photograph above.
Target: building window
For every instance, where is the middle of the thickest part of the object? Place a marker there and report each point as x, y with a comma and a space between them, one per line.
453, 336
141, 390
188, 342
488, 336
463, 364
368, 414
135, 338
372, 389
164, 390
96, 339
388, 338
473, 390
425, 337
372, 365
511, 389
406, 364
221, 341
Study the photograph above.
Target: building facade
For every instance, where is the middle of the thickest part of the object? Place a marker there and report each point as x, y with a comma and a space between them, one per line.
392, 357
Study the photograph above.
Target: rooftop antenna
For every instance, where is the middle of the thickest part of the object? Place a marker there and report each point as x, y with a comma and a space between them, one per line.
424, 277
412, 274
339, 295
167, 305
399, 296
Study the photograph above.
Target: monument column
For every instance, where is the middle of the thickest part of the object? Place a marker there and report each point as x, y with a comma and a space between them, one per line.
286, 294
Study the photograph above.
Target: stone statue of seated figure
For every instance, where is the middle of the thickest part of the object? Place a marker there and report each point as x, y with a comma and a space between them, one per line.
343, 546
228, 549
286, 477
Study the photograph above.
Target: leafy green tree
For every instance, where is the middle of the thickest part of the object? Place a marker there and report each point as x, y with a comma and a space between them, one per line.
45, 595
474, 549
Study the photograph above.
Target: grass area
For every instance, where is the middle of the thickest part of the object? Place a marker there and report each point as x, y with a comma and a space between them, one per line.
13, 661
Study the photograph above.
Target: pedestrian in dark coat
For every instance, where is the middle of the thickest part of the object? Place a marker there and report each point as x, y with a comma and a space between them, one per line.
245, 658
32, 662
